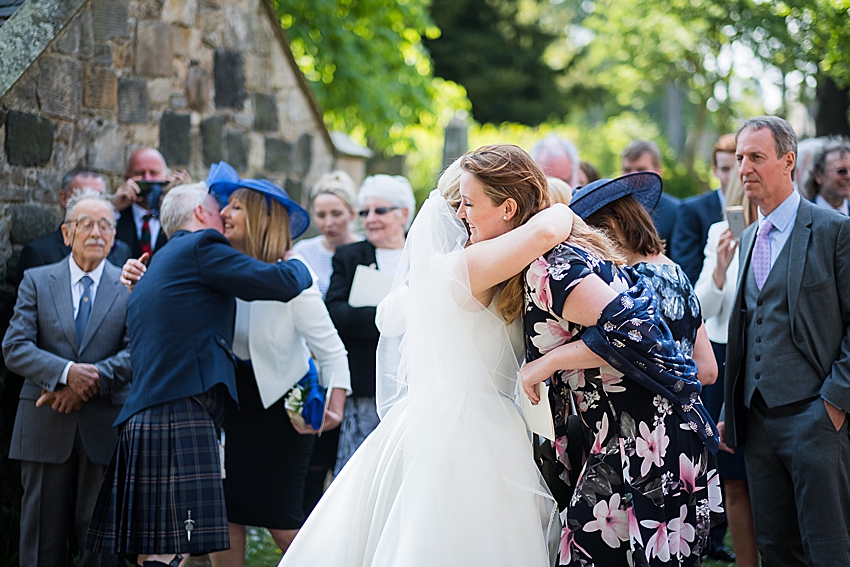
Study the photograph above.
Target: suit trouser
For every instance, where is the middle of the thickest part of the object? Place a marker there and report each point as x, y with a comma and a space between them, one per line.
797, 468
50, 512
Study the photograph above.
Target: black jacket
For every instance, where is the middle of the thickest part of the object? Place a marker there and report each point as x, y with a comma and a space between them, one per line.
355, 325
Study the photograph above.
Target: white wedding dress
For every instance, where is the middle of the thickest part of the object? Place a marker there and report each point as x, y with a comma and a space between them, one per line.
447, 478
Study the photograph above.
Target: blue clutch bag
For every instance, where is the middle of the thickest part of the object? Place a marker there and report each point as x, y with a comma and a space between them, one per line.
314, 397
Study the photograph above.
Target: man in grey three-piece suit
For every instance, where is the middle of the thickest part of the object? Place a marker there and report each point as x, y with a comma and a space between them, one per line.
68, 338
788, 359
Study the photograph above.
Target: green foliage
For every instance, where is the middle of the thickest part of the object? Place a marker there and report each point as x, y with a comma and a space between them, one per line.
365, 61
497, 55
809, 36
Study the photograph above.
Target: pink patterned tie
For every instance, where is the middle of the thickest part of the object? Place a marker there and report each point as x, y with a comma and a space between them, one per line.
761, 254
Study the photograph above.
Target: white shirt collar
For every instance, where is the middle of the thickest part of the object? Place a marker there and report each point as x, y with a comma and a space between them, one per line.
842, 208
77, 272
139, 213
782, 216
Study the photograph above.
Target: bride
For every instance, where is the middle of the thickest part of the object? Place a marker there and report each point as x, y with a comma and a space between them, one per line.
447, 478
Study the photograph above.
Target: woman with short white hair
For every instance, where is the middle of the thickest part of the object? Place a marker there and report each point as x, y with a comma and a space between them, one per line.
386, 208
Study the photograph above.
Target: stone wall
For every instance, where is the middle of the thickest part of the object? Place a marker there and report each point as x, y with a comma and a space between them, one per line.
202, 80
87, 82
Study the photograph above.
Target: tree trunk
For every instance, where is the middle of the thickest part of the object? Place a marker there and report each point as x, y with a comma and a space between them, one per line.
833, 105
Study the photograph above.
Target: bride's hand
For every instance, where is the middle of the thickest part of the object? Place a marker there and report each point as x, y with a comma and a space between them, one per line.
533, 373
558, 216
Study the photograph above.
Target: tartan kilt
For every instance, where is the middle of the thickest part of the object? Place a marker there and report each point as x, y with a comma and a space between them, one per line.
164, 471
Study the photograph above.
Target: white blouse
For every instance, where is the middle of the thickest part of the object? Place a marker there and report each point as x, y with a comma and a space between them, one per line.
278, 338
716, 303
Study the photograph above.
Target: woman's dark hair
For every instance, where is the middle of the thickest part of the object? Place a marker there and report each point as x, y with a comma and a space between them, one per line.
629, 225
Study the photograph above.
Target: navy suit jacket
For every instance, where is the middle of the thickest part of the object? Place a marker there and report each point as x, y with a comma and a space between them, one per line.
181, 315
696, 215
664, 217
51, 248
355, 325
125, 231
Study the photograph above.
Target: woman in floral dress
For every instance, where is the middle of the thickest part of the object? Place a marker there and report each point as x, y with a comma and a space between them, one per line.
621, 208
646, 488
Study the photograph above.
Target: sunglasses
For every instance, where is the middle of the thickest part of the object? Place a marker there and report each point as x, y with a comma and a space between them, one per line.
841, 171
380, 211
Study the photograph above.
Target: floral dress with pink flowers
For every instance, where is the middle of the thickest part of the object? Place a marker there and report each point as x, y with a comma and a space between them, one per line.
647, 486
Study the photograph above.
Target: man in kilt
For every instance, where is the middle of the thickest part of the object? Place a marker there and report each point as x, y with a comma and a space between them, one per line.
162, 495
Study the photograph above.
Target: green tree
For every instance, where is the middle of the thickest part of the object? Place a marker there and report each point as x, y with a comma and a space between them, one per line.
496, 52
808, 41
365, 60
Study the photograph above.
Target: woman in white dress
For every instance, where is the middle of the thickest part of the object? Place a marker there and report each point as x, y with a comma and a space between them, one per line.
447, 478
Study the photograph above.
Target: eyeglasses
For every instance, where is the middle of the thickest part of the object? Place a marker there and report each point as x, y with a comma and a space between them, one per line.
380, 211
840, 172
86, 224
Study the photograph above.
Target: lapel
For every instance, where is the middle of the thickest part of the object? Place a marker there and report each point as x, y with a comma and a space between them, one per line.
801, 233
745, 251
107, 291
125, 230
60, 290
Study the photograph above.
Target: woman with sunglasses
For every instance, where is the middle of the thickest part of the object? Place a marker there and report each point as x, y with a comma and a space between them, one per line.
386, 206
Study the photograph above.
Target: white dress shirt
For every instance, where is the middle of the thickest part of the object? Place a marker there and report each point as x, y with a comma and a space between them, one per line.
77, 290
843, 208
139, 213
782, 218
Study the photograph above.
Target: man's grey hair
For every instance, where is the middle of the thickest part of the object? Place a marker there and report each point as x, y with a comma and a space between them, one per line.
784, 136
639, 147
554, 146
818, 164
806, 150
86, 194
79, 171
179, 205
393, 188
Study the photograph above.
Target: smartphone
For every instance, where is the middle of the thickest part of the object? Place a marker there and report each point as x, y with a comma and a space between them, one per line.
145, 187
735, 218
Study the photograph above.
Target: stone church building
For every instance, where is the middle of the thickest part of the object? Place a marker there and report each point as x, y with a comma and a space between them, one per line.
87, 82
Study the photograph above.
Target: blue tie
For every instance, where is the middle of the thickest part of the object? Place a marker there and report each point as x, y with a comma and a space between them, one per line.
84, 309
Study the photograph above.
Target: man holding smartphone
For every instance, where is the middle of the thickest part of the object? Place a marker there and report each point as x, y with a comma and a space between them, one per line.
138, 222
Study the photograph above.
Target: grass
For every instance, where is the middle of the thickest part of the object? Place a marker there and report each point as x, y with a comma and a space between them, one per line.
264, 552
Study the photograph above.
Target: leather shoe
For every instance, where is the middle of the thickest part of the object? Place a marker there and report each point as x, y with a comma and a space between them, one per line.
721, 553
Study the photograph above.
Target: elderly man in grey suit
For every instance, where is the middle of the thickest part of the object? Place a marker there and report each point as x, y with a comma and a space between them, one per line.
788, 359
68, 338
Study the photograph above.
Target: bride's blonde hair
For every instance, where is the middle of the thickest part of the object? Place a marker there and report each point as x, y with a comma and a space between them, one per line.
506, 171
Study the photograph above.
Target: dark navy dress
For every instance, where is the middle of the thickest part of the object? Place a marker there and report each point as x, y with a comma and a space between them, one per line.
646, 488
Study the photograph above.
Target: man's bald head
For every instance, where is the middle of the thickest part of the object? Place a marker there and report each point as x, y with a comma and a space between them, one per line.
146, 164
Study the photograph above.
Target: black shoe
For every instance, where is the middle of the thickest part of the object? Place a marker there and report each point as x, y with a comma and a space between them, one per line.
174, 562
721, 553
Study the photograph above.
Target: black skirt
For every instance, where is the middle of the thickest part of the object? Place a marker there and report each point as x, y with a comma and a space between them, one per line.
164, 477
266, 460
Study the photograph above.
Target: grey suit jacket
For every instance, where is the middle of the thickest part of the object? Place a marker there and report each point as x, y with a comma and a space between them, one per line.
819, 306
40, 341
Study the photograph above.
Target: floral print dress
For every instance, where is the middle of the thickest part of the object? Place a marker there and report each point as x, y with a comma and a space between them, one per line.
646, 490
677, 301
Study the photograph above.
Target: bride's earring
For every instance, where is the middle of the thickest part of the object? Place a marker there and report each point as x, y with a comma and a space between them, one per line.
505, 217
